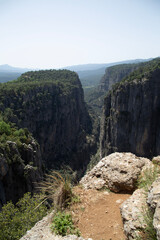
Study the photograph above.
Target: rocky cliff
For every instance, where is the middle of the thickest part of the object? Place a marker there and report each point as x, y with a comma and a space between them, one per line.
20, 166
115, 74
131, 114
51, 105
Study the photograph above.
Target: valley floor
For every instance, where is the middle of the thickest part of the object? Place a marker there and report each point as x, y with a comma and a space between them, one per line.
98, 214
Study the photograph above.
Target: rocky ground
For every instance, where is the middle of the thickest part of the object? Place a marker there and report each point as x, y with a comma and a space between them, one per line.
98, 214
104, 215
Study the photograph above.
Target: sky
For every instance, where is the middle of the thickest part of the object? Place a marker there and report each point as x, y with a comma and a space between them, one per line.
57, 33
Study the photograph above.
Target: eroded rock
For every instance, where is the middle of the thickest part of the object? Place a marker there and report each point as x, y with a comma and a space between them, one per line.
132, 213
118, 172
154, 202
156, 160
154, 194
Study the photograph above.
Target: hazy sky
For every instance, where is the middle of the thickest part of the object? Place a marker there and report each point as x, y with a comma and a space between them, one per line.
57, 33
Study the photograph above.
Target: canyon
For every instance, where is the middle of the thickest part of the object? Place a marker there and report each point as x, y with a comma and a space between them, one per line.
45, 124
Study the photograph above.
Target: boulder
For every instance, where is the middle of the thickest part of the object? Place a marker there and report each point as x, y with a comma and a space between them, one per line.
154, 202
118, 172
154, 194
156, 160
132, 213
156, 220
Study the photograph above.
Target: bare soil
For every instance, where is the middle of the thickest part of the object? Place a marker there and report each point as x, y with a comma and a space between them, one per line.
98, 214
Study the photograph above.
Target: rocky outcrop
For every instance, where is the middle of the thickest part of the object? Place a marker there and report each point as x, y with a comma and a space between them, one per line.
156, 160
139, 209
118, 172
153, 201
115, 74
20, 170
132, 212
42, 231
50, 104
131, 115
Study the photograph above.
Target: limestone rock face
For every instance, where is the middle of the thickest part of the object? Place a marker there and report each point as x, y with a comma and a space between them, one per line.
154, 202
156, 220
156, 160
154, 194
3, 167
131, 212
130, 121
20, 172
118, 172
55, 113
134, 209
115, 74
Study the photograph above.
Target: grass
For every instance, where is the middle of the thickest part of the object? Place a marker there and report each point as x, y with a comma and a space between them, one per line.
57, 189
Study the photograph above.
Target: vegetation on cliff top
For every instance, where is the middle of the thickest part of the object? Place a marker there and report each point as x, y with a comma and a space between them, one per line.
32, 89
145, 70
64, 79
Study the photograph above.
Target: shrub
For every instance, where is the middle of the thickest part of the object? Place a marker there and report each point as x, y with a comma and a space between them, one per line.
5, 128
15, 220
63, 224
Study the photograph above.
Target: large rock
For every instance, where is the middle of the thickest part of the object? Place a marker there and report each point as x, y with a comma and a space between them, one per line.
134, 210
132, 214
156, 160
118, 172
154, 202
154, 194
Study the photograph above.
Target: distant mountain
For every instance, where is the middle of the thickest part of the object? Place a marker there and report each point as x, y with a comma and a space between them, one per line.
91, 74
95, 66
8, 73
8, 68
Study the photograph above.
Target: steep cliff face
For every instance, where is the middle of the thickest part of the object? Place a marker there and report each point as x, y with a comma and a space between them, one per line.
115, 74
131, 114
20, 169
51, 105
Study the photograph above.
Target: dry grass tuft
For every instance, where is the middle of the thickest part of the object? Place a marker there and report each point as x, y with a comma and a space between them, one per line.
57, 189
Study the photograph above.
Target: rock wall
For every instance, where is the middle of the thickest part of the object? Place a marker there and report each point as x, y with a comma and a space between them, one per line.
115, 74
131, 117
21, 172
54, 112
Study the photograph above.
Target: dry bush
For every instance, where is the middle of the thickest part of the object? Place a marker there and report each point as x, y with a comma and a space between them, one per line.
57, 189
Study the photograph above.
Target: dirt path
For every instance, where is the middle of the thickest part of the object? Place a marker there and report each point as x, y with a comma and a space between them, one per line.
98, 214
